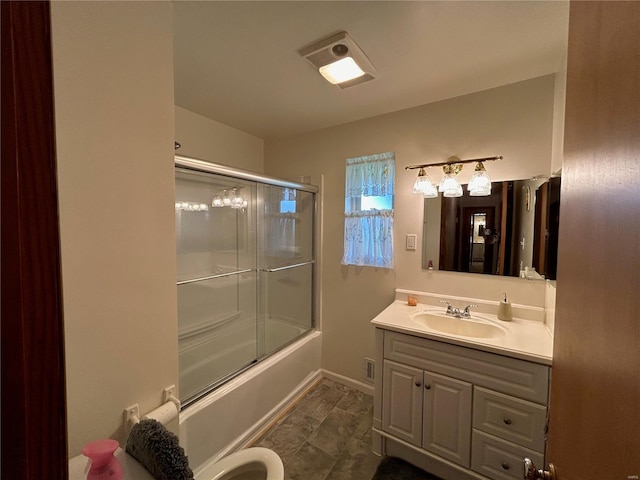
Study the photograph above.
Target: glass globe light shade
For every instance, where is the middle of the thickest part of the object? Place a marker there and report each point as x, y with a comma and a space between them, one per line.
480, 183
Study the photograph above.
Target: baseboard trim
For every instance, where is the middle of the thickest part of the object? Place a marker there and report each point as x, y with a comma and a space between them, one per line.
349, 382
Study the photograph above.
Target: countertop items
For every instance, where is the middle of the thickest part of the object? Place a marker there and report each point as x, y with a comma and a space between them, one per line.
504, 309
524, 339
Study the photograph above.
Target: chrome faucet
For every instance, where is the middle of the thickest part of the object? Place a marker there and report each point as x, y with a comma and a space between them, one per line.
467, 310
456, 312
449, 307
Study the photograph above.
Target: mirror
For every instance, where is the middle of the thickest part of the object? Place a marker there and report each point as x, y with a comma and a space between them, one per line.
512, 232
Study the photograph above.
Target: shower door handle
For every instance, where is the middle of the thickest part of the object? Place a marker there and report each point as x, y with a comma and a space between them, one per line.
211, 277
287, 267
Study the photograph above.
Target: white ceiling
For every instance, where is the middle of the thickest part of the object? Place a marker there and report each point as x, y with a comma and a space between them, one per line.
237, 62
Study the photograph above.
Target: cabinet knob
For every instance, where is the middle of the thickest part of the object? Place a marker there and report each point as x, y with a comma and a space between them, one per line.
505, 466
507, 421
418, 384
427, 386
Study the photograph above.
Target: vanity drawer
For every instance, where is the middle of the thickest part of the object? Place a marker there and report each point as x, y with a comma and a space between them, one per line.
498, 459
508, 375
512, 419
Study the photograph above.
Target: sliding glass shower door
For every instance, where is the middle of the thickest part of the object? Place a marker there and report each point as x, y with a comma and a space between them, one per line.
245, 256
217, 288
285, 261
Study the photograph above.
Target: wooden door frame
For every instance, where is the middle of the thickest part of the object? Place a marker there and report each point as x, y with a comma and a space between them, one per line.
34, 423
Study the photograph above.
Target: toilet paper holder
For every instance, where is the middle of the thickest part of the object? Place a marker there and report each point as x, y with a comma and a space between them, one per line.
165, 413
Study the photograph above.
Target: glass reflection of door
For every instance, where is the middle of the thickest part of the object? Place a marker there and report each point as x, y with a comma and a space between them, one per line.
476, 242
478, 238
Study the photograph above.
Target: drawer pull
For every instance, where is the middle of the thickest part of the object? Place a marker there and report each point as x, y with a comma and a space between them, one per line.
507, 421
427, 386
505, 466
418, 384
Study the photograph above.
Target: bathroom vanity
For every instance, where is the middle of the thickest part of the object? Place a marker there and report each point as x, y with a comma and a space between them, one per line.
460, 406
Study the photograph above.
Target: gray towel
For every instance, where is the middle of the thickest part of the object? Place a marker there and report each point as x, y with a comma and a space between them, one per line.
158, 450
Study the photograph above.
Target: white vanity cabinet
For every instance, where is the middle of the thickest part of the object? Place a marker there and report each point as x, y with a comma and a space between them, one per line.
458, 412
428, 410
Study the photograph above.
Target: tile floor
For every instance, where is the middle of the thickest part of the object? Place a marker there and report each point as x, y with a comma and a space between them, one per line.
326, 435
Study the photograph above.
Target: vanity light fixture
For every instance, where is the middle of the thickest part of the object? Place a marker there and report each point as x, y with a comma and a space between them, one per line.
479, 185
449, 186
228, 198
423, 185
340, 61
191, 207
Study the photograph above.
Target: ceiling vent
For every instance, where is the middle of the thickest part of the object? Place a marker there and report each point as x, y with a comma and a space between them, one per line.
340, 61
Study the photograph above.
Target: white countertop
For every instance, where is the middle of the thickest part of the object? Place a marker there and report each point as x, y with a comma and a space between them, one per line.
524, 339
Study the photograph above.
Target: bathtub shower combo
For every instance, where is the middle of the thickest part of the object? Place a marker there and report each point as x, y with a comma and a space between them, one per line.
245, 249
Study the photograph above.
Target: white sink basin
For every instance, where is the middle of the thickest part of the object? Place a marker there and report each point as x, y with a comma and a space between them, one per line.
474, 327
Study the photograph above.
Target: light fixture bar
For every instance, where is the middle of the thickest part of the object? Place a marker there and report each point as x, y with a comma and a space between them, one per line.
453, 161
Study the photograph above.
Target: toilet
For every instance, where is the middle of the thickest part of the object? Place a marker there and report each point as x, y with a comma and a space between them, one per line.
255, 463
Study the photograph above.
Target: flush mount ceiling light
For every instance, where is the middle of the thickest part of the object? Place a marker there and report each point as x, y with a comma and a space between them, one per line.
479, 185
340, 61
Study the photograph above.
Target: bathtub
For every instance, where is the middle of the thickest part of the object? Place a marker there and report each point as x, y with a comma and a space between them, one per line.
235, 413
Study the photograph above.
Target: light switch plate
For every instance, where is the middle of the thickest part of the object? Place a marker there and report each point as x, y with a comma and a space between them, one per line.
411, 241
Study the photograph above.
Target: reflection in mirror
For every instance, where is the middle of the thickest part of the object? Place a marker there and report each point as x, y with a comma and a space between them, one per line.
512, 232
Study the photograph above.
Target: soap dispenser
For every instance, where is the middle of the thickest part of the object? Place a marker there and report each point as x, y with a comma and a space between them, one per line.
504, 309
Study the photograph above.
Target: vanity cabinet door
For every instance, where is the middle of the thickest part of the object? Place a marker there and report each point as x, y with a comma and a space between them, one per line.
447, 418
402, 401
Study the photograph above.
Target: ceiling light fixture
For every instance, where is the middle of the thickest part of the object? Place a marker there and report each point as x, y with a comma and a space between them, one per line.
479, 185
340, 61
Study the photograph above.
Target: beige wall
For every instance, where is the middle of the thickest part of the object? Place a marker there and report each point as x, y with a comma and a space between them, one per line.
113, 72
209, 140
515, 121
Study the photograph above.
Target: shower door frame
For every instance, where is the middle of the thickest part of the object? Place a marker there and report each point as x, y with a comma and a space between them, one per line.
203, 166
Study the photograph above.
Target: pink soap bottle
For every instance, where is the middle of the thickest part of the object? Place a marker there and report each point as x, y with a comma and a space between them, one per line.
103, 464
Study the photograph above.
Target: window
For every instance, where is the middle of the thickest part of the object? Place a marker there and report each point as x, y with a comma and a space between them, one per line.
288, 202
368, 211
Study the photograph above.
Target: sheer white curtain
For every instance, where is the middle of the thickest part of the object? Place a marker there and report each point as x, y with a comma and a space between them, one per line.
280, 235
368, 231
